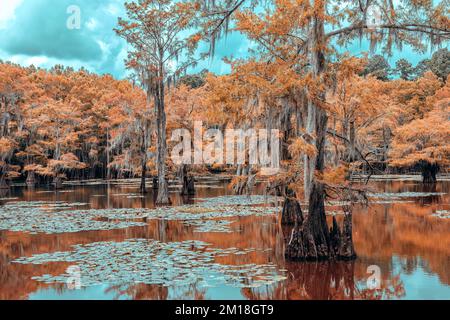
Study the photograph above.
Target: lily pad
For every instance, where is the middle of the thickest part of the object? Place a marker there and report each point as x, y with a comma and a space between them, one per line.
153, 262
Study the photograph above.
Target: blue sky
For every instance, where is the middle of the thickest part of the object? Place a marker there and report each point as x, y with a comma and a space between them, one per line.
35, 32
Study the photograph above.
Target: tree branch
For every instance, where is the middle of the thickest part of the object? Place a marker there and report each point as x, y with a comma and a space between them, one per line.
372, 169
406, 27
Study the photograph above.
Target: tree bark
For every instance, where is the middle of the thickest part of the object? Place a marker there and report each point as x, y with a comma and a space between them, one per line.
144, 173
187, 181
292, 212
429, 171
108, 169
386, 140
352, 155
57, 182
163, 187
31, 179
3, 184
346, 248
144, 149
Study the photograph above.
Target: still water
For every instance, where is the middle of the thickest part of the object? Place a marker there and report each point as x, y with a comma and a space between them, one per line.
405, 234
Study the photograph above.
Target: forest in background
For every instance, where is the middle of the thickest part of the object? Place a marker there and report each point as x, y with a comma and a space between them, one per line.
79, 125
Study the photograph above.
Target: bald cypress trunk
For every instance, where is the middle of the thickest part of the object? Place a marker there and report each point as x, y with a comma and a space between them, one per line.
346, 248
144, 173
429, 172
312, 239
187, 181
3, 183
31, 179
352, 155
292, 212
144, 149
58, 182
163, 187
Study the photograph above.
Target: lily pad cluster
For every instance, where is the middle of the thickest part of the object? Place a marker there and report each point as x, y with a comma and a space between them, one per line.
153, 262
398, 195
245, 200
54, 217
443, 214
61, 217
211, 225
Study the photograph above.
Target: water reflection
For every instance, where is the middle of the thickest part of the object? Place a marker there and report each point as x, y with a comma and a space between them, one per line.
408, 244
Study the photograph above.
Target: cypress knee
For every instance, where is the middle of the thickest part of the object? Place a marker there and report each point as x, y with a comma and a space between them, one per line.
31, 179
58, 183
292, 212
429, 171
188, 188
3, 183
155, 183
346, 249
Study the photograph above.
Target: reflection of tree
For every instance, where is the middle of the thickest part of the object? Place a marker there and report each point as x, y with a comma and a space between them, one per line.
408, 231
390, 289
326, 281
157, 292
139, 291
16, 283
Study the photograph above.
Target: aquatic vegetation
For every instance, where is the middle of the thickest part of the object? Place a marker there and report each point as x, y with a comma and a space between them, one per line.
211, 225
208, 215
240, 200
153, 262
61, 217
390, 201
443, 214
388, 195
53, 217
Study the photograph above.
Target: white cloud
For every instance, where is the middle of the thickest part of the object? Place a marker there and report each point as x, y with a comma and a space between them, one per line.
7, 9
92, 24
104, 47
113, 9
37, 61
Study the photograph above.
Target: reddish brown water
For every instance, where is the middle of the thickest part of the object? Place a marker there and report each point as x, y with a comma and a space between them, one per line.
408, 244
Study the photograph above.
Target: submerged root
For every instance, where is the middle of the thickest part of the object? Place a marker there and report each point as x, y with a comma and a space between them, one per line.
313, 240
304, 246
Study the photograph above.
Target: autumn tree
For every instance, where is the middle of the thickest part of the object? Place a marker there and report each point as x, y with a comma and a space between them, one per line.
63, 123
11, 94
358, 108
410, 97
318, 27
424, 142
7, 171
156, 30
127, 129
